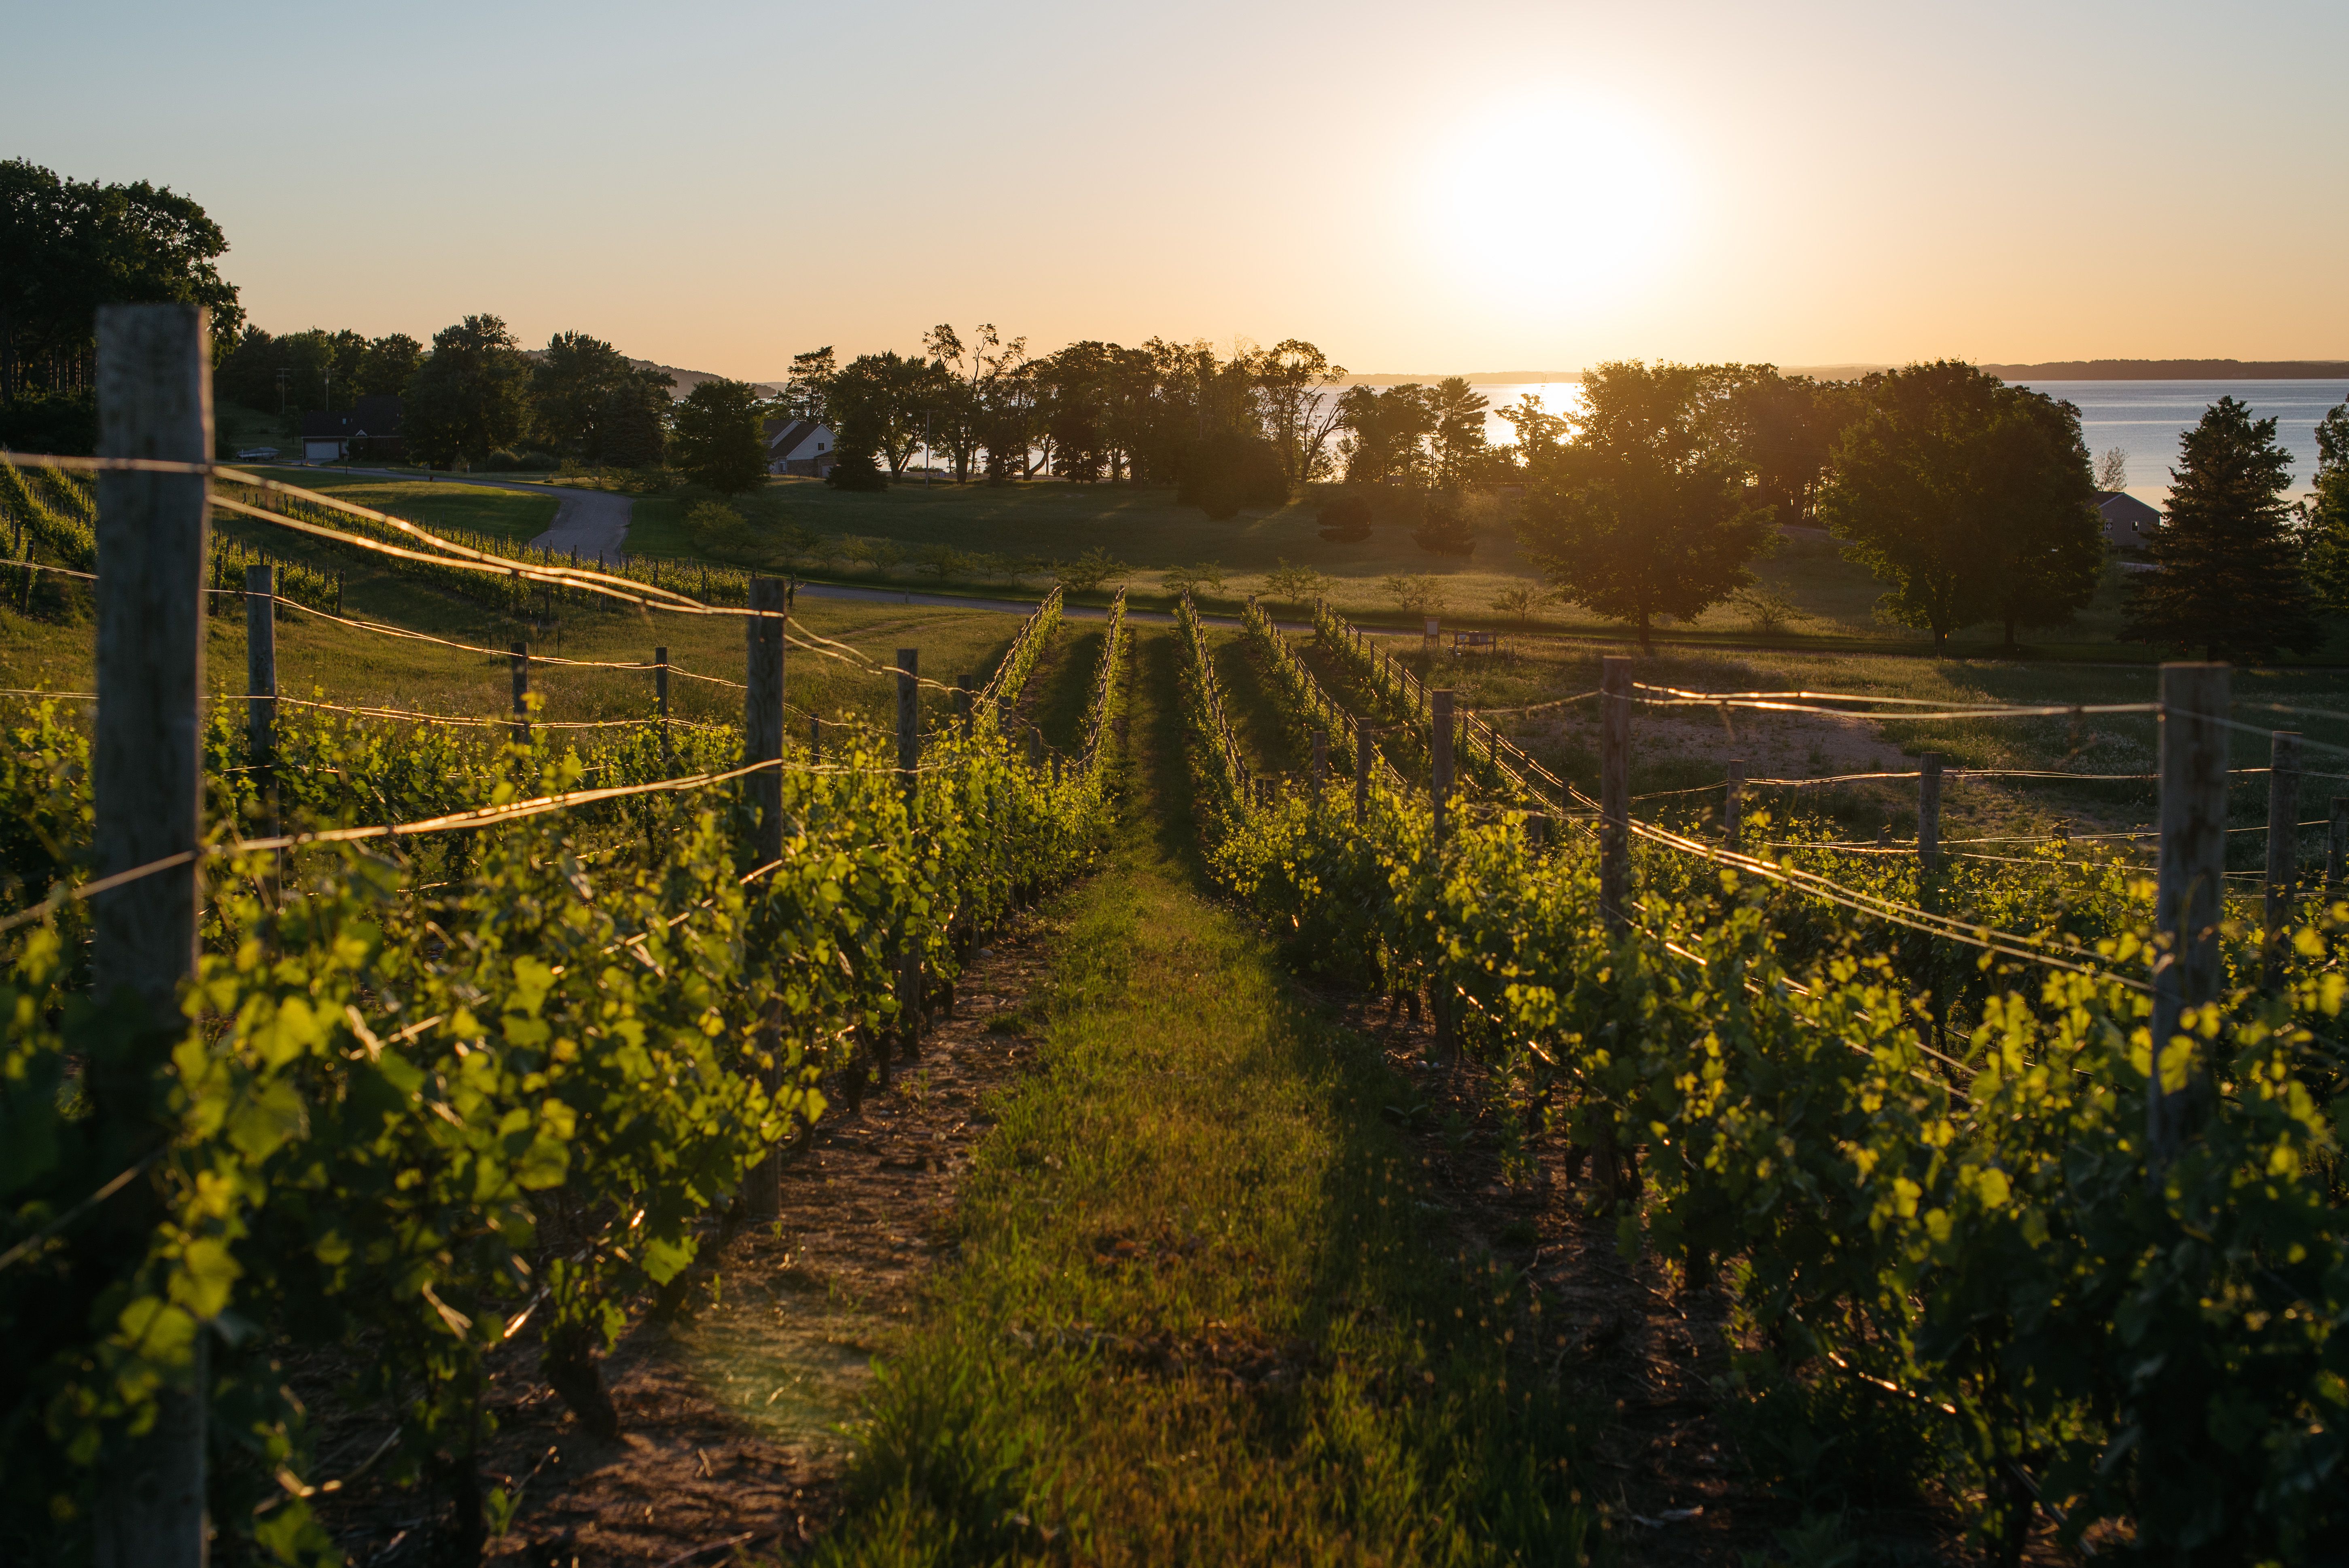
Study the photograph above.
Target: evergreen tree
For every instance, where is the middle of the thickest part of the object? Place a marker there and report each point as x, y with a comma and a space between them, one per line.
2328, 515
2227, 575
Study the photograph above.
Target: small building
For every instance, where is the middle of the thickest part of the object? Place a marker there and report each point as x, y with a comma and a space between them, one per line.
799, 447
2129, 524
369, 429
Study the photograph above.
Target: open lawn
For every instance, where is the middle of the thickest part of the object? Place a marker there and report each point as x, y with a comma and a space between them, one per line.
1007, 537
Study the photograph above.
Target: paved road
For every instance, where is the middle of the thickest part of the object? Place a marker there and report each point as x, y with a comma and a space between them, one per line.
593, 522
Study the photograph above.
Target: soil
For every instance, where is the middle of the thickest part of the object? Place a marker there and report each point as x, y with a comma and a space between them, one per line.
730, 1418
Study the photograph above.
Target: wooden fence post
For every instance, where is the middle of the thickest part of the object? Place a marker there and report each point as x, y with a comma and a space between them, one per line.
1732, 810
1614, 791
1440, 796
2336, 845
965, 711
261, 687
2190, 889
909, 759
762, 741
1928, 816
1361, 772
154, 401
519, 657
2283, 850
660, 696
1320, 761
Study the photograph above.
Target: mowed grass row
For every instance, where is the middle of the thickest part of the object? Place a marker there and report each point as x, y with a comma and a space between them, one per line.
1204, 1311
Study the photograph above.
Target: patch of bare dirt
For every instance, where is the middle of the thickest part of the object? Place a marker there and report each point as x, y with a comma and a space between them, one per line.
730, 1416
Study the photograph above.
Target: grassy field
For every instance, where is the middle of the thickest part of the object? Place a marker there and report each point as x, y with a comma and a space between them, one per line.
1199, 1173
441, 503
319, 660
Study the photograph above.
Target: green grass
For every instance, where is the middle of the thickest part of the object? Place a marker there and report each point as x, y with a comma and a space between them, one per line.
55, 649
442, 503
1198, 1179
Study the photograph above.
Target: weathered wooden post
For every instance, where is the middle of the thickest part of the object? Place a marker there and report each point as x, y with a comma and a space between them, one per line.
762, 742
909, 760
1361, 772
660, 696
519, 659
2283, 851
154, 401
2336, 845
1321, 762
966, 710
1440, 798
261, 687
1035, 746
1056, 770
1732, 808
815, 738
2190, 898
1614, 791
1928, 815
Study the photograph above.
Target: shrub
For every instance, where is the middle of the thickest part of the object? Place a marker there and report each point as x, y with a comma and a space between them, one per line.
1225, 472
1446, 529
718, 529
1087, 572
856, 471
1416, 593
1345, 518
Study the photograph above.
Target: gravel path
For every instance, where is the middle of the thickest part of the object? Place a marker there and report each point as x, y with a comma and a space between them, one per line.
593, 522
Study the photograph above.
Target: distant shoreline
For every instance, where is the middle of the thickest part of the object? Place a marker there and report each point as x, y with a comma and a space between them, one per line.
2053, 370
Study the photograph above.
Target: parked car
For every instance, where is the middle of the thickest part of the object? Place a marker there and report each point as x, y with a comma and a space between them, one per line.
251, 452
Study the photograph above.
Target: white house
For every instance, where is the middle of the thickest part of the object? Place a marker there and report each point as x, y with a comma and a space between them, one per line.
799, 447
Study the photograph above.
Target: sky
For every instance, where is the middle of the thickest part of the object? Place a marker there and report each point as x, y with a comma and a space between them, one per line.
1416, 188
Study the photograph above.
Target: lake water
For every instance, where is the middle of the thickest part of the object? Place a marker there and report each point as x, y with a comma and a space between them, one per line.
2143, 418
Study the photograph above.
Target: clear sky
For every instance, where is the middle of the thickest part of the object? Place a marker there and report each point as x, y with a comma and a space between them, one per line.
1425, 188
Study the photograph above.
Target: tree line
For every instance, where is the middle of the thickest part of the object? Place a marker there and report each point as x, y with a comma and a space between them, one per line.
1972, 500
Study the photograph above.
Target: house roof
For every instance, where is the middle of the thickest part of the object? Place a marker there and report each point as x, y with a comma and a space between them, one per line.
2120, 506
786, 438
368, 416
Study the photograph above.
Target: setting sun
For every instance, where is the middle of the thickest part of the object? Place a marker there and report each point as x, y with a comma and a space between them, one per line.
1555, 201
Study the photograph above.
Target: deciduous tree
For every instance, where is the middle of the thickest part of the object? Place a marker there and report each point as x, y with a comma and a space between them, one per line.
2228, 570
1969, 499
1646, 513
717, 442
469, 396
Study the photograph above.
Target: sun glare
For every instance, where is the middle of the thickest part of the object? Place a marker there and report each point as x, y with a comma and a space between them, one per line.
1562, 202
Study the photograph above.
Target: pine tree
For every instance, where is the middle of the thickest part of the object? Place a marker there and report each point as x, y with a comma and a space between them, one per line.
2328, 514
2227, 575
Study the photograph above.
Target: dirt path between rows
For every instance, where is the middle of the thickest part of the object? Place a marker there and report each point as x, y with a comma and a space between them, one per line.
730, 1418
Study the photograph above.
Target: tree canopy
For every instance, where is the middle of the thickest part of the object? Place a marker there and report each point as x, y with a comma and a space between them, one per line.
68, 247
470, 396
1971, 500
1645, 513
2227, 575
2328, 514
717, 442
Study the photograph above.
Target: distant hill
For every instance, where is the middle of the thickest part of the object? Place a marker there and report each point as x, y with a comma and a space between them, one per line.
2173, 370
686, 380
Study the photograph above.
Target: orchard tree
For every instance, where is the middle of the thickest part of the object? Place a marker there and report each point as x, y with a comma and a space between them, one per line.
1645, 513
717, 442
470, 396
2227, 574
1970, 500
